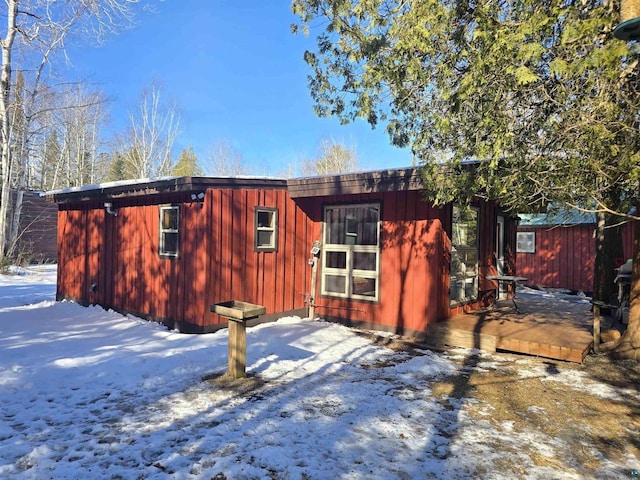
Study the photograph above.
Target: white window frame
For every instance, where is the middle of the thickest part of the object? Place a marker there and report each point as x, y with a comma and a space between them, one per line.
465, 278
273, 228
526, 242
162, 231
349, 272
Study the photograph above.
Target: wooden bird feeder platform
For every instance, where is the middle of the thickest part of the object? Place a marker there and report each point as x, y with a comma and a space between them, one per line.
237, 313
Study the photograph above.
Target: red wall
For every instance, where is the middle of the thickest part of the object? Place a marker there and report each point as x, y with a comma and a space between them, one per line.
118, 256
217, 261
564, 256
414, 275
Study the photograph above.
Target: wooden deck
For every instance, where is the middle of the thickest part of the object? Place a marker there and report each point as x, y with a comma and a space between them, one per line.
549, 328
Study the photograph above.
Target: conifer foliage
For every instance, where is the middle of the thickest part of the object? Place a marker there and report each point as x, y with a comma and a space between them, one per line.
538, 93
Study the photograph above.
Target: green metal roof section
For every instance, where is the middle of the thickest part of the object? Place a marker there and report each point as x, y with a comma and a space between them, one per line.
560, 218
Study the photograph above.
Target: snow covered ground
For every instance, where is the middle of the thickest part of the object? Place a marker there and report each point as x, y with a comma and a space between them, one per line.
86, 393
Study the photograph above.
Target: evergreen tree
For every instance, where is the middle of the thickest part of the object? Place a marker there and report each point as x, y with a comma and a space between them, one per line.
187, 165
119, 168
538, 93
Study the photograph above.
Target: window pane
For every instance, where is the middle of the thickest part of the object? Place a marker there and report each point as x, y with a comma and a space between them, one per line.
169, 218
471, 287
370, 226
352, 225
336, 260
169, 243
335, 284
364, 261
335, 226
364, 286
265, 238
464, 255
526, 242
465, 227
265, 219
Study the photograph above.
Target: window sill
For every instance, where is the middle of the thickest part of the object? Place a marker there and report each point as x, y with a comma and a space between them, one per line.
461, 303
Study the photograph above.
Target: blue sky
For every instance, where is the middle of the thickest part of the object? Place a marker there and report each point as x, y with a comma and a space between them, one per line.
236, 71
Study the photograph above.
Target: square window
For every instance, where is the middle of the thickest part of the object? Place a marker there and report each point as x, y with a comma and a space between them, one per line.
170, 243
364, 261
336, 260
526, 242
266, 229
265, 239
364, 286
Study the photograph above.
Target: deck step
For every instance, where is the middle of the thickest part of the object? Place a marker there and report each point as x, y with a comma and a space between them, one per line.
557, 352
441, 334
557, 331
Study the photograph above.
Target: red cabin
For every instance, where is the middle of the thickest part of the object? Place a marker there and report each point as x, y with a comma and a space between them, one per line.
167, 249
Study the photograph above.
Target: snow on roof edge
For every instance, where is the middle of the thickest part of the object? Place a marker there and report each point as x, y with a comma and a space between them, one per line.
144, 181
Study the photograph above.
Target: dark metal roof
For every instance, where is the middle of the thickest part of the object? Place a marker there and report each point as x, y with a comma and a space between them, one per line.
354, 183
135, 188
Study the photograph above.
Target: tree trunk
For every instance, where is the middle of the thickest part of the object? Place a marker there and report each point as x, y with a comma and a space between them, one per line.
5, 130
15, 224
608, 249
629, 344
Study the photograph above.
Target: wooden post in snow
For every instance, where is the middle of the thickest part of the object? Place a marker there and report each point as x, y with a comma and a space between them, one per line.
312, 295
596, 326
313, 261
237, 367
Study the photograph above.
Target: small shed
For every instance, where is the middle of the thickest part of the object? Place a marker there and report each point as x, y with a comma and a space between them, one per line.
37, 236
387, 259
558, 250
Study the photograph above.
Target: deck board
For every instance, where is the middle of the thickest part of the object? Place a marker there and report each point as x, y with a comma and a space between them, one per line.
546, 327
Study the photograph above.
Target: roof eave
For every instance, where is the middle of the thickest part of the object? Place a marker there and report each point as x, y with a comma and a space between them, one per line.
161, 186
356, 183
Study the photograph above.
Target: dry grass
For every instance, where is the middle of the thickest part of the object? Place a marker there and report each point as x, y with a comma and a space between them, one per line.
589, 427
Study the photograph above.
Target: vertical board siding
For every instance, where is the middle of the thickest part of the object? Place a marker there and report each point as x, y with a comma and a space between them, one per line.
94, 251
73, 259
564, 256
391, 289
627, 240
251, 274
265, 278
216, 262
410, 264
38, 227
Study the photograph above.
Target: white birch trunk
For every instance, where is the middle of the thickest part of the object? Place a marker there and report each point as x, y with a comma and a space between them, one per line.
5, 127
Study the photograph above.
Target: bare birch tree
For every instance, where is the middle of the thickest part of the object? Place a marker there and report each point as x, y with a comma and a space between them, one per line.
334, 158
224, 160
74, 122
153, 131
38, 29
